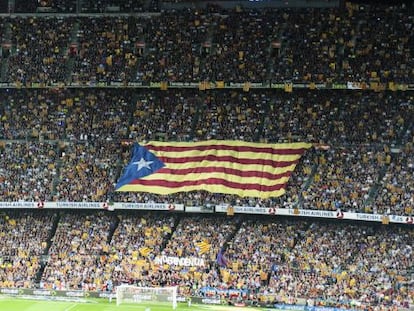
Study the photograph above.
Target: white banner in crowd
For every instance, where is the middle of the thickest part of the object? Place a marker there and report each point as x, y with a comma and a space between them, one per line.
180, 261
316, 213
217, 209
95, 205
149, 206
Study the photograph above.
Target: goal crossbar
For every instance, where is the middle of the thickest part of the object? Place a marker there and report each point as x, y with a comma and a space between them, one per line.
131, 294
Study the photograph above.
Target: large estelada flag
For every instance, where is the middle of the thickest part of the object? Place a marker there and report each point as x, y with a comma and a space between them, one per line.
220, 166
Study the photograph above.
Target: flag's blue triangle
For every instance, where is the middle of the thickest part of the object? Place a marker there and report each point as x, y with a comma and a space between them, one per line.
143, 163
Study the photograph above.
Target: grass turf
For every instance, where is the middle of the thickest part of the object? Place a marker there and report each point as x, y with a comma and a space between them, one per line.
15, 304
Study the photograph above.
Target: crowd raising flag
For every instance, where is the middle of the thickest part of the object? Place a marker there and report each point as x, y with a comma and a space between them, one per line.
221, 259
203, 247
220, 166
145, 251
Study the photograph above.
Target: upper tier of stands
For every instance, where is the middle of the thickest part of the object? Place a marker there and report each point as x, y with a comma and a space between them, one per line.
356, 43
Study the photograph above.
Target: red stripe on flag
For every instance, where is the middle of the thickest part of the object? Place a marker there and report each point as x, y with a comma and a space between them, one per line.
207, 181
230, 171
269, 150
228, 159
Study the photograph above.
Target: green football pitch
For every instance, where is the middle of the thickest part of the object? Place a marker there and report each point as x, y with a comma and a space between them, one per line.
14, 304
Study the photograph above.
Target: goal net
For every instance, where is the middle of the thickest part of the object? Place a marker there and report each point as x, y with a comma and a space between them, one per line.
129, 294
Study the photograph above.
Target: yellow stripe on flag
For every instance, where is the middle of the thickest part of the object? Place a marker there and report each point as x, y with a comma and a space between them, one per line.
228, 177
230, 165
228, 153
234, 143
210, 188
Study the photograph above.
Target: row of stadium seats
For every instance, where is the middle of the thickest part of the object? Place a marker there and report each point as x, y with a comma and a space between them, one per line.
98, 6
73, 6
266, 259
336, 118
367, 44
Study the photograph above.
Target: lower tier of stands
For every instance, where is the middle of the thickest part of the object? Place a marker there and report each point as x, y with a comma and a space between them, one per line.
233, 257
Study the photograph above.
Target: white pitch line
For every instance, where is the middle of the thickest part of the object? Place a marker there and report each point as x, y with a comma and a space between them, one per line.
70, 307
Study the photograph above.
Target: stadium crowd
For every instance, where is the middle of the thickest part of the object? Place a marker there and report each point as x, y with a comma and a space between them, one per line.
359, 43
339, 263
76, 139
74, 256
24, 239
40, 51
66, 138
266, 260
27, 170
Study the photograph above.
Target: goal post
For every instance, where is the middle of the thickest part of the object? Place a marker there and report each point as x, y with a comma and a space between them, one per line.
130, 294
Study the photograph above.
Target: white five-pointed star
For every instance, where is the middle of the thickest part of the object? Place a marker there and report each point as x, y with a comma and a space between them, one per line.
142, 163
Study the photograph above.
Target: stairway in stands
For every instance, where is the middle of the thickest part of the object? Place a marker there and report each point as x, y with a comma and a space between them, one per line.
401, 137
307, 183
4, 64
70, 63
45, 256
197, 114
238, 221
169, 235
112, 228
230, 237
